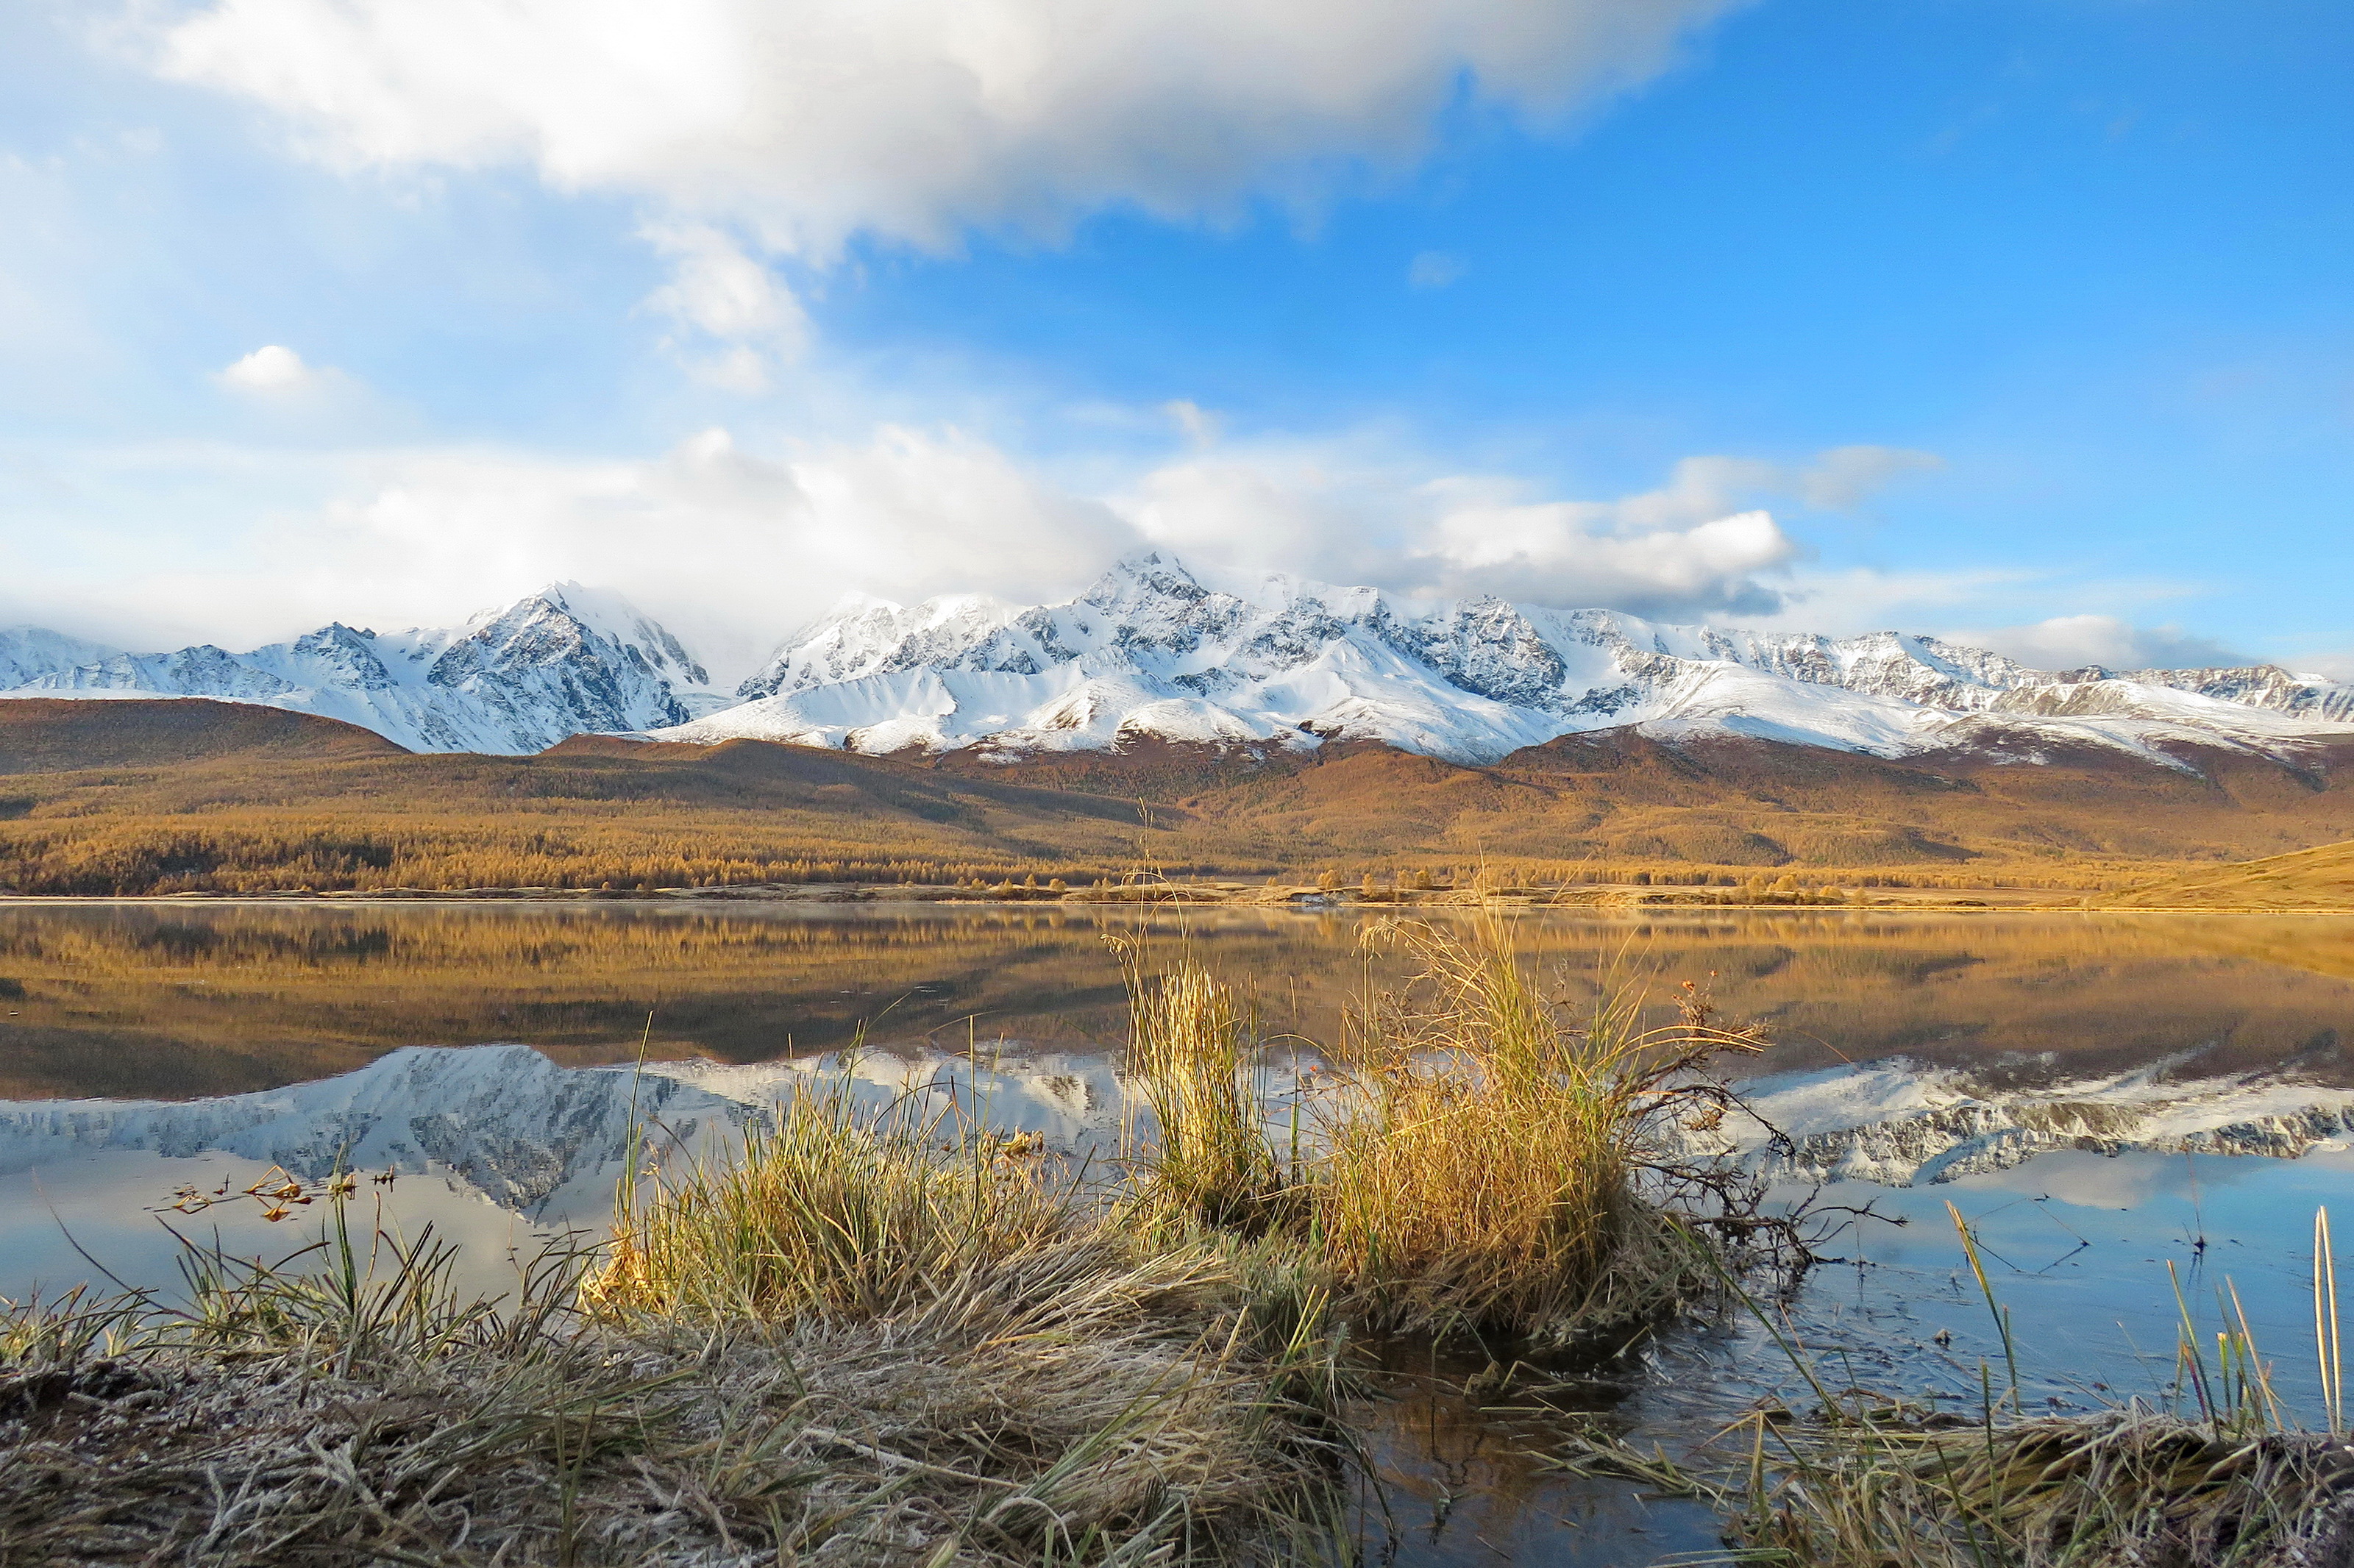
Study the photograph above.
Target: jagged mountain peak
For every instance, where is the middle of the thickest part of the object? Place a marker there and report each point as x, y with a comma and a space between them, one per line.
558, 662
1150, 648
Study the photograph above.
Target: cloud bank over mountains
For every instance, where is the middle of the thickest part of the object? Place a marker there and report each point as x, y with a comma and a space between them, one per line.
731, 543
748, 130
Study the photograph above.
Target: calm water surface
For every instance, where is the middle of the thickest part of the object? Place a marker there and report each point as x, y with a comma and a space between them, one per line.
2097, 1094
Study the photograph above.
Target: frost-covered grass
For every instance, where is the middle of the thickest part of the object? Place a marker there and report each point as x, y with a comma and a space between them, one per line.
850, 1345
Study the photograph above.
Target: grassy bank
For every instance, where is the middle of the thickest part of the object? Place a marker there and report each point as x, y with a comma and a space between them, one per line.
850, 1346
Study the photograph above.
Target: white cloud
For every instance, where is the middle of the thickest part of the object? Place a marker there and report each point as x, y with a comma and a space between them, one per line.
2337, 666
1201, 427
1435, 269
738, 545
2071, 642
1352, 512
810, 121
739, 319
733, 547
1844, 478
273, 370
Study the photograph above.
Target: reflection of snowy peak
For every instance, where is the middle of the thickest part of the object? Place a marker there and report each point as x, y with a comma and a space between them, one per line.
1901, 1123
1151, 652
502, 1119
565, 661
515, 1127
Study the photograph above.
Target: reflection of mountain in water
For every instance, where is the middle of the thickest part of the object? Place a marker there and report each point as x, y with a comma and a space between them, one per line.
520, 1130
1900, 1123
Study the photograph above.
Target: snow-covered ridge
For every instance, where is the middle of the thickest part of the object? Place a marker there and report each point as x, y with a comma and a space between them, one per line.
1150, 651
563, 662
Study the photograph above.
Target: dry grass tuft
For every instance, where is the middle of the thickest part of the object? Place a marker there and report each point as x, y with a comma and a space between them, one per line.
2125, 1488
1871, 1483
1193, 1051
1098, 1395
1484, 1162
1494, 1165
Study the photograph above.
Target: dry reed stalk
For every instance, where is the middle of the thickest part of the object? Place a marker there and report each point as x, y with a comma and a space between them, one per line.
1192, 1049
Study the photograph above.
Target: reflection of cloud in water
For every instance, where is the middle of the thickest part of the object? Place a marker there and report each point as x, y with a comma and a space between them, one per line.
2123, 1181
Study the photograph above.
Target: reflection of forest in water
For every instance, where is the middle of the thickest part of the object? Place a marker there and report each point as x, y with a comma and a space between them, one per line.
168, 1001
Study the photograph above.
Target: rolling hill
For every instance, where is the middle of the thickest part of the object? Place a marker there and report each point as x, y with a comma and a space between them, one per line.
126, 798
2317, 878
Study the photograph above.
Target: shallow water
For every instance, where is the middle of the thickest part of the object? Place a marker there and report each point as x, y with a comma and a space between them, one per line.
2097, 1094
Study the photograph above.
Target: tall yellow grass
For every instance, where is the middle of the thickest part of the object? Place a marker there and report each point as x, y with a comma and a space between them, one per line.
1485, 1171
832, 1213
1478, 1162
1197, 1060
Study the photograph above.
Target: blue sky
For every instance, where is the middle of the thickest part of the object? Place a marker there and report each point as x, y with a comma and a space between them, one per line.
1568, 302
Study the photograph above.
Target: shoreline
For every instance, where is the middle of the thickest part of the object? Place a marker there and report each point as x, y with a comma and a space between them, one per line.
1308, 900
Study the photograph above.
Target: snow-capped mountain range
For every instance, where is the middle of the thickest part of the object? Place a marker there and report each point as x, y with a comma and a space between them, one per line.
1150, 651
566, 661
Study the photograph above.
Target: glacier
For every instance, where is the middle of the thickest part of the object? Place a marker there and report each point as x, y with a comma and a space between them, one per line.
1151, 652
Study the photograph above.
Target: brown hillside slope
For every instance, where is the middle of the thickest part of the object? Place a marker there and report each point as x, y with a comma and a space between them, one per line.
2321, 878
587, 813
600, 810
41, 734
1622, 798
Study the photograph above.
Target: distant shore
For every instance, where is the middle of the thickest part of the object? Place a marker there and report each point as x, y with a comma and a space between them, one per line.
1303, 897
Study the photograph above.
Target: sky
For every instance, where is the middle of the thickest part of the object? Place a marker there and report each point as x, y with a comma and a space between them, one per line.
2024, 321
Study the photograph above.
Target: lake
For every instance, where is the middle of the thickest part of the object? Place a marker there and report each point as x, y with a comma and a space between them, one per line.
2098, 1094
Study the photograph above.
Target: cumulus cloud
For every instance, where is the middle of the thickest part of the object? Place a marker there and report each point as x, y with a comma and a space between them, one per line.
797, 126
734, 547
1698, 545
2071, 642
273, 370
812, 120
